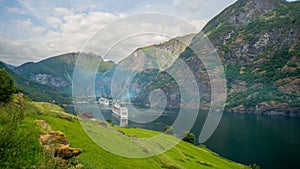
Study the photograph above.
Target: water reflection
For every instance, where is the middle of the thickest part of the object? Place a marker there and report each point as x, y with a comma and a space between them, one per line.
122, 122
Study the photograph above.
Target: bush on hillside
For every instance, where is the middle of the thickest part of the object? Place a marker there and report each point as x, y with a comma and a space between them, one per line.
6, 86
189, 137
169, 130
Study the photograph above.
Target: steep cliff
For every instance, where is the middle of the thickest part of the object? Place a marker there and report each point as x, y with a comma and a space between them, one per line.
258, 43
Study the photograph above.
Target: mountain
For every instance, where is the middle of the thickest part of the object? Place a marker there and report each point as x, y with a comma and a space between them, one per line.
36, 91
159, 56
258, 43
56, 73
144, 64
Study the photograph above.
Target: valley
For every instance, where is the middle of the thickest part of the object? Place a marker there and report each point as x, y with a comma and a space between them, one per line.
227, 96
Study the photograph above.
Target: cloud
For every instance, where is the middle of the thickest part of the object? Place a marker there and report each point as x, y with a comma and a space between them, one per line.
10, 51
49, 28
130, 33
191, 5
199, 23
28, 27
59, 11
15, 10
70, 31
54, 22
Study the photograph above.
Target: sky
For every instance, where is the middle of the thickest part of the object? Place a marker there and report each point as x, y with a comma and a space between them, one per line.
31, 30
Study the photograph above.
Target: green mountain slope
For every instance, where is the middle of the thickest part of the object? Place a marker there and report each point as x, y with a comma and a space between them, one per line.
52, 76
36, 91
258, 43
184, 155
58, 71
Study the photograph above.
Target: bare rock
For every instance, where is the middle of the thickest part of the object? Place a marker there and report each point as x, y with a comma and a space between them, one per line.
56, 143
54, 137
66, 152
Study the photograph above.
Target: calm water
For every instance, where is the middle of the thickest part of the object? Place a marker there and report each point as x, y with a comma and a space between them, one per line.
269, 141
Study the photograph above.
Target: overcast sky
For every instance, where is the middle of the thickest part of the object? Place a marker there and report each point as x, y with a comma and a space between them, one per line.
32, 30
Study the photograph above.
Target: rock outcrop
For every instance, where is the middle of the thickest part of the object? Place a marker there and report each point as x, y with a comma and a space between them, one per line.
56, 143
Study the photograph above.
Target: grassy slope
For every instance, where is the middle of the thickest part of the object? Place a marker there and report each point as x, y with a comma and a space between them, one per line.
184, 155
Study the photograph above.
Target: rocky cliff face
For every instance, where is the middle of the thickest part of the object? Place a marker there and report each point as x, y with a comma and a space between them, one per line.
50, 80
258, 43
246, 29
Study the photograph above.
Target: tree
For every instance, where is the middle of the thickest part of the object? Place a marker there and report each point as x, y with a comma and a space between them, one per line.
169, 130
6, 86
189, 137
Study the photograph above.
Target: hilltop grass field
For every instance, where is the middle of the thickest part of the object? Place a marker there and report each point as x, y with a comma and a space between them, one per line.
27, 152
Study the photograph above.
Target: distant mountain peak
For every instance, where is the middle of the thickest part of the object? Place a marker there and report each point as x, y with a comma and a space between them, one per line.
159, 56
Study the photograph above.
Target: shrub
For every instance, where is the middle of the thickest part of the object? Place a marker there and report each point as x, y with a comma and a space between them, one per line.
169, 130
291, 64
189, 137
6, 86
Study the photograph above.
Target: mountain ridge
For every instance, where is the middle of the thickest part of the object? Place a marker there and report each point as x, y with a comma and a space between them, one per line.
36, 91
258, 43
57, 71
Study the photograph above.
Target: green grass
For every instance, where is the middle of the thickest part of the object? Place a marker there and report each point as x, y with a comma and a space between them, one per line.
19, 139
138, 141
184, 155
